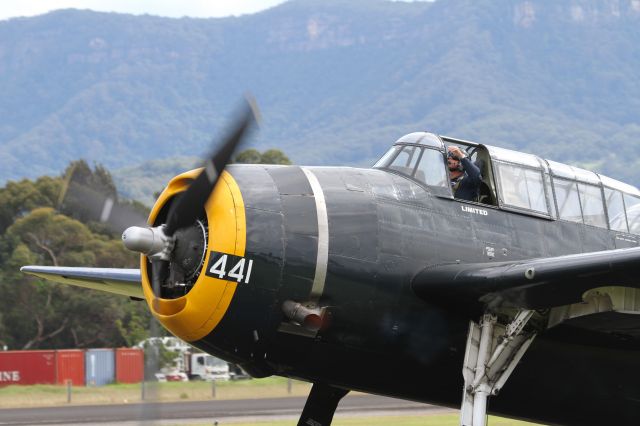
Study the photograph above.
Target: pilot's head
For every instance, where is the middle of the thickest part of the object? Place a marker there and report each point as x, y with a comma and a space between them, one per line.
453, 162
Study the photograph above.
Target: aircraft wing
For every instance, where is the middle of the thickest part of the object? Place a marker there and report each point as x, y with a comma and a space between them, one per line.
531, 284
125, 282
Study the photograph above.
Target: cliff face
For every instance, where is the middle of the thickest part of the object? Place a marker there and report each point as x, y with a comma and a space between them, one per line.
337, 81
586, 12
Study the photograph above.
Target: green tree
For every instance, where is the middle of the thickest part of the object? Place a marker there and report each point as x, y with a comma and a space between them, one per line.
99, 179
270, 156
43, 237
274, 156
90, 196
134, 324
249, 156
19, 198
37, 313
86, 192
27, 305
3, 333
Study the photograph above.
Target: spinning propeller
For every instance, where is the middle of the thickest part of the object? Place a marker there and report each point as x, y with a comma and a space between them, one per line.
161, 244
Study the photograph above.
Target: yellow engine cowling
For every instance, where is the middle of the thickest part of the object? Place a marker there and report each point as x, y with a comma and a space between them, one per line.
196, 314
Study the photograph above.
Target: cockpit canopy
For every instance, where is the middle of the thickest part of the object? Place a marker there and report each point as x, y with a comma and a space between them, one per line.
521, 182
419, 156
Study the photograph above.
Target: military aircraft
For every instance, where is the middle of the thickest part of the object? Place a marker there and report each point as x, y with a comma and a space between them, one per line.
379, 280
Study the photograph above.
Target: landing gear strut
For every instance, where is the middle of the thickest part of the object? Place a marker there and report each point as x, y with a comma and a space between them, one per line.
321, 405
491, 355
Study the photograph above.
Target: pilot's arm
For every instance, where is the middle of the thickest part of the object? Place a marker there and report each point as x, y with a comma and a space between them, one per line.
473, 172
470, 185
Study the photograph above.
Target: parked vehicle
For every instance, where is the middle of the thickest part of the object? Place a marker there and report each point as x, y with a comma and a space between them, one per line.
170, 343
171, 375
189, 363
202, 366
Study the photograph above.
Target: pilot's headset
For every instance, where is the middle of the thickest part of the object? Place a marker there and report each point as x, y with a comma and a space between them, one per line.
450, 155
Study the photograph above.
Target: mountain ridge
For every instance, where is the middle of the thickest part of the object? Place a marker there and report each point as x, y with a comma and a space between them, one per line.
337, 81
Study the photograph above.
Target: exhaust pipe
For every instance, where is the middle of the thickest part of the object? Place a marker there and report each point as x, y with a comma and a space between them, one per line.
311, 319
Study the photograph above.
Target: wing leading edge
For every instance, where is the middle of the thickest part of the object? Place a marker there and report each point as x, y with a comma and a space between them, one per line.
125, 282
529, 284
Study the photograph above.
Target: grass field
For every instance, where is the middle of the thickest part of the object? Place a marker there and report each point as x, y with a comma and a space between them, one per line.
49, 395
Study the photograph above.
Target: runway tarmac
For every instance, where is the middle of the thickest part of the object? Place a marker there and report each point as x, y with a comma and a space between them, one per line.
184, 412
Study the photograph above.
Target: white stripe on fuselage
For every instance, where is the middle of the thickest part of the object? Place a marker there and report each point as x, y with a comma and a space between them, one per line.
323, 236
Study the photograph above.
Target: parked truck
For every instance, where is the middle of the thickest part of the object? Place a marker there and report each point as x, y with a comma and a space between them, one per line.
202, 366
188, 362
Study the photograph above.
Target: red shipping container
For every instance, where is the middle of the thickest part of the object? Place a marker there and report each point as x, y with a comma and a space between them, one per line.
27, 367
70, 365
129, 365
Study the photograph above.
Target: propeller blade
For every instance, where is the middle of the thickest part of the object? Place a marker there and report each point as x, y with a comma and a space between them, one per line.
159, 272
88, 204
186, 208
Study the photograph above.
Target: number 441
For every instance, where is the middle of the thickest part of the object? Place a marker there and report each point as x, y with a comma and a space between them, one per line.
239, 272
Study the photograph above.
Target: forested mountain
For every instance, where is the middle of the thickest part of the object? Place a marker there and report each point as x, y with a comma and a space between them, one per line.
337, 81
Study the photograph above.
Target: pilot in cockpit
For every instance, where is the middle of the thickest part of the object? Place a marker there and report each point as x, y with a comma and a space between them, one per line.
465, 175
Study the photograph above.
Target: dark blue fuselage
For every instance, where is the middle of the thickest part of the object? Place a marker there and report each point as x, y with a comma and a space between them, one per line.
378, 336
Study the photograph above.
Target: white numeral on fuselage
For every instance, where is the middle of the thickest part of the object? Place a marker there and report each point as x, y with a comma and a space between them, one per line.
240, 271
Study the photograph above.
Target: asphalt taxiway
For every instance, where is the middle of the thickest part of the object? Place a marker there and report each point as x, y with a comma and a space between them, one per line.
184, 412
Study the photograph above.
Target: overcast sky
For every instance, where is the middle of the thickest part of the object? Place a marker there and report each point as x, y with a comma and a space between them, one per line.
172, 8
